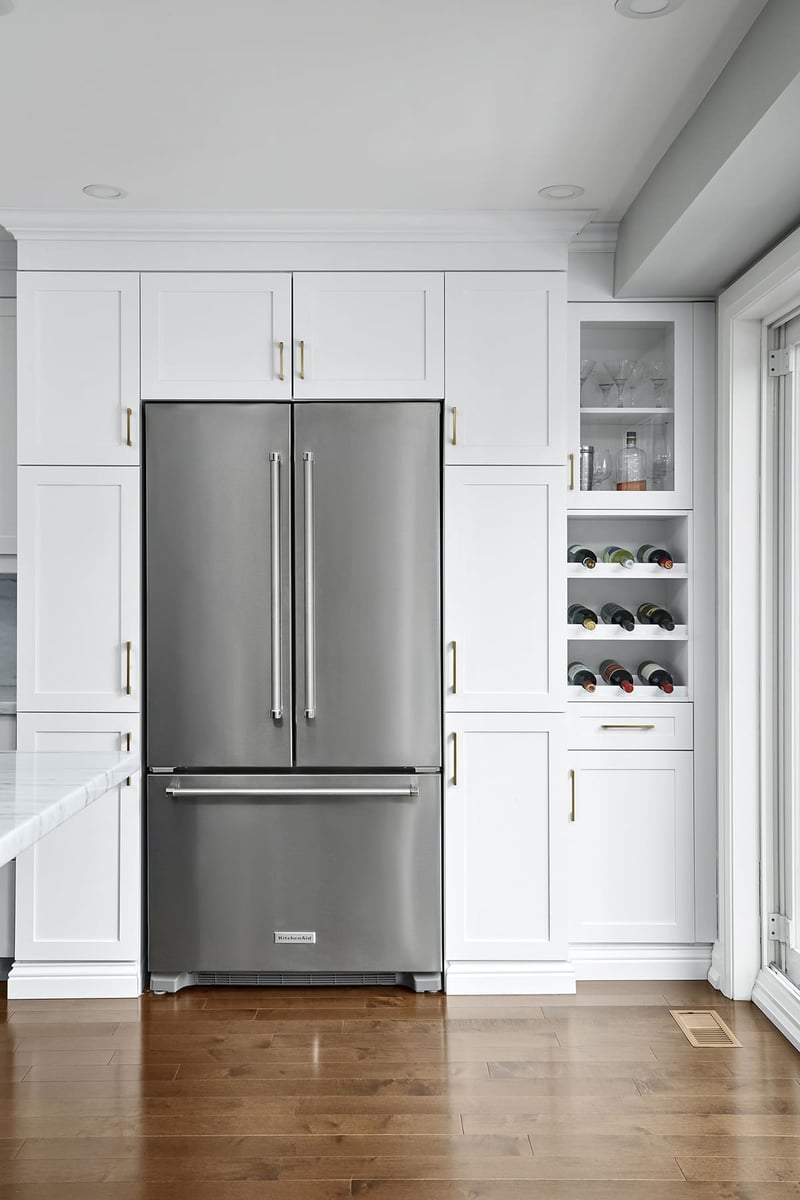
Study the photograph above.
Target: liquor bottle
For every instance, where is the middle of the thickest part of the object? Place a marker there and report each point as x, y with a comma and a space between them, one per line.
579, 614
616, 676
631, 466
615, 614
581, 554
579, 675
653, 675
654, 614
653, 554
615, 554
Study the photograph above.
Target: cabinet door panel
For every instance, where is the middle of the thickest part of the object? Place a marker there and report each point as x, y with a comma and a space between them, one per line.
505, 826
212, 336
631, 860
505, 589
78, 894
78, 589
369, 335
78, 367
8, 427
505, 353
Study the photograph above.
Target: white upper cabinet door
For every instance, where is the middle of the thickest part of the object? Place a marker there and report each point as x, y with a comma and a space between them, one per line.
505, 339
78, 638
8, 427
369, 335
506, 814
631, 857
78, 367
505, 589
78, 893
220, 336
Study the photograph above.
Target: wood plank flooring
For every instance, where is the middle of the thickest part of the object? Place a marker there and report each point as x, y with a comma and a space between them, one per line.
329, 1094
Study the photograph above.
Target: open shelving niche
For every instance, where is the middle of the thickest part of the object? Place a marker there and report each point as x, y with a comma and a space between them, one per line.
608, 581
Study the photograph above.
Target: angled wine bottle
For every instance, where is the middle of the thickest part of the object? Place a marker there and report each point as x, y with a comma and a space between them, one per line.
583, 555
579, 675
616, 675
653, 675
579, 614
618, 555
654, 554
615, 614
654, 614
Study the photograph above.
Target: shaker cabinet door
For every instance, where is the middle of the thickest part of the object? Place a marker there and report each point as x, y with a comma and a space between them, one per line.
78, 590
8, 427
505, 335
505, 589
78, 892
369, 335
78, 367
209, 336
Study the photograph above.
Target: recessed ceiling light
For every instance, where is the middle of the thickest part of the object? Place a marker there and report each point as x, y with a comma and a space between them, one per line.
104, 191
561, 191
642, 9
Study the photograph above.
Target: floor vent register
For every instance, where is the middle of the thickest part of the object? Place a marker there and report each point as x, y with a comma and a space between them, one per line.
704, 1027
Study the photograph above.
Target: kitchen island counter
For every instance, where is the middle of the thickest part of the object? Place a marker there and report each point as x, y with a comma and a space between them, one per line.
39, 791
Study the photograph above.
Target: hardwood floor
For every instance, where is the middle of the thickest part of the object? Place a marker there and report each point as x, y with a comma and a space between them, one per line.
379, 1094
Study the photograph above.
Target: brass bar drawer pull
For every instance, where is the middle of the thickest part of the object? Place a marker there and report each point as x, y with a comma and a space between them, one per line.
571, 472
627, 726
455, 426
128, 417
572, 794
128, 688
280, 365
302, 359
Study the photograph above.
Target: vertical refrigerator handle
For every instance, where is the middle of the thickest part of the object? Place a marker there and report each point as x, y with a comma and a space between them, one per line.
308, 481
276, 709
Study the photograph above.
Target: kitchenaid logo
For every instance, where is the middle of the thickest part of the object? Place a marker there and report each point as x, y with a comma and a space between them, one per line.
295, 937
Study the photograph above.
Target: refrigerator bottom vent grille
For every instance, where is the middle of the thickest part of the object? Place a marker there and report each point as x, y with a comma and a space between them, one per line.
297, 978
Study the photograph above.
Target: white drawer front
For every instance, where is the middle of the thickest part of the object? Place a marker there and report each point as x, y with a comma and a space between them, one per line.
643, 727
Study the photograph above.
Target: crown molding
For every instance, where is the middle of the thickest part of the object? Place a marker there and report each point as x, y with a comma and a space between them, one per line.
498, 226
596, 237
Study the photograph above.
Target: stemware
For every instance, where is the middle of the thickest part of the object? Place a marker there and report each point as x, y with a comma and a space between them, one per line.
587, 366
603, 464
640, 373
659, 374
619, 369
602, 382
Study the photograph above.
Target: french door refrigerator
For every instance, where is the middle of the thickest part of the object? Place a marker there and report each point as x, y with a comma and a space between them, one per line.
293, 676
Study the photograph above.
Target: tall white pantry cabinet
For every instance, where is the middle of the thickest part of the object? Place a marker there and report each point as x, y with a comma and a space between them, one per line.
492, 345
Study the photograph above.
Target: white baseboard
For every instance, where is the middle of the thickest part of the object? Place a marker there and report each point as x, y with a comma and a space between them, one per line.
779, 1001
74, 981
623, 961
509, 978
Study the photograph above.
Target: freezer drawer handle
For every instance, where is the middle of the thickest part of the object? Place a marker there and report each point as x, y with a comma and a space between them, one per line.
275, 581
308, 479
412, 790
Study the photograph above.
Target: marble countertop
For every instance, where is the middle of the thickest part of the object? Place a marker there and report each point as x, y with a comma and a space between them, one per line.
39, 791
8, 701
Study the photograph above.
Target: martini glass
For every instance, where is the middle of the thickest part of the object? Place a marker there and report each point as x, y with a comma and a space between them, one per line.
619, 370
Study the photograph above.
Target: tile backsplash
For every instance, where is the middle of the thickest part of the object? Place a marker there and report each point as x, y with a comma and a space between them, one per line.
8, 630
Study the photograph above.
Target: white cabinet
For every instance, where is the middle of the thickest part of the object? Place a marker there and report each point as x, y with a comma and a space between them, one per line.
506, 813
505, 339
78, 599
216, 336
78, 367
369, 335
8, 427
79, 888
505, 588
631, 847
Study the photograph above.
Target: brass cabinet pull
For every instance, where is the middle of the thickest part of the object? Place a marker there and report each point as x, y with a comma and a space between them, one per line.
455, 668
280, 367
129, 414
302, 359
571, 472
455, 760
572, 790
128, 648
627, 726
455, 426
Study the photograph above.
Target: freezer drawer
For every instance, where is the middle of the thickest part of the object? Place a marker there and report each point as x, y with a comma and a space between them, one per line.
349, 866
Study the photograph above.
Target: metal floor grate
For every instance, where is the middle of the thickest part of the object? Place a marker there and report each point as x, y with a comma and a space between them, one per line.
704, 1027
296, 978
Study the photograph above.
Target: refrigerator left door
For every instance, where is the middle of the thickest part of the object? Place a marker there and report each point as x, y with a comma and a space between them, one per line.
218, 585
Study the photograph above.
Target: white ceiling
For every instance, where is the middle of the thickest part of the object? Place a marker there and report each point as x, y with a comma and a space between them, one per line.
348, 104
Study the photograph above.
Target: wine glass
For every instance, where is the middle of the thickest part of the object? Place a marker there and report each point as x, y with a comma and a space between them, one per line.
659, 375
587, 366
619, 369
604, 384
603, 464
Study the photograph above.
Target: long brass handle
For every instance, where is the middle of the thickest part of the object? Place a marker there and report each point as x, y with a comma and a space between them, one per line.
627, 726
455, 760
571, 472
302, 359
454, 687
129, 414
128, 648
572, 791
455, 425
280, 364
128, 737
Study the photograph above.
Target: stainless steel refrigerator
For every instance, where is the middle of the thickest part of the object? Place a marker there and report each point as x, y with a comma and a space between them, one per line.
293, 693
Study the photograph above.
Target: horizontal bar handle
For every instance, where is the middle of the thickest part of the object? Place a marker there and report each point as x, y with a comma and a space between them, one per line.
244, 791
627, 726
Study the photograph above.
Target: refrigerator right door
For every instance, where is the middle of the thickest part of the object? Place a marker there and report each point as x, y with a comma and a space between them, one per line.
367, 585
